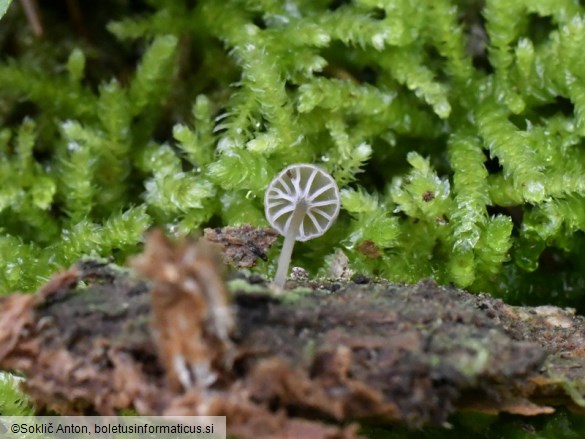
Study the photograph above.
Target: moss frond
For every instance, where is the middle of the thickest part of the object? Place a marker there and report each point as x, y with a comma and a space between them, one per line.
422, 194
13, 402
151, 82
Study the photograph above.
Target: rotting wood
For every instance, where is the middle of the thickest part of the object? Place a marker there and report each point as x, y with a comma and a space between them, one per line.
242, 246
97, 339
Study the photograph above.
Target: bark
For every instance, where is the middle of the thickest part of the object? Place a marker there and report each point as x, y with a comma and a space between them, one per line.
168, 337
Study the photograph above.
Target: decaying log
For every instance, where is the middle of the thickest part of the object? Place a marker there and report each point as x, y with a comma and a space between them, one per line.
169, 338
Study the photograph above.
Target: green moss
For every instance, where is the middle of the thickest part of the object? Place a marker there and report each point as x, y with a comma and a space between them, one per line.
479, 426
244, 286
295, 295
458, 145
12, 401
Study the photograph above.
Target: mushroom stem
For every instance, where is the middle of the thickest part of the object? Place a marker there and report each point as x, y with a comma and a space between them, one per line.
289, 242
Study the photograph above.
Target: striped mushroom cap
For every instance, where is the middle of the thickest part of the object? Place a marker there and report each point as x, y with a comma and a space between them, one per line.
305, 187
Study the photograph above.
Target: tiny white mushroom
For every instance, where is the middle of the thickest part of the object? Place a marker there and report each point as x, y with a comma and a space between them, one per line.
301, 203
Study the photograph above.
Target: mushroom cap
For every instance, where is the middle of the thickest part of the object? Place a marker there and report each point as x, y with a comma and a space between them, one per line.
302, 183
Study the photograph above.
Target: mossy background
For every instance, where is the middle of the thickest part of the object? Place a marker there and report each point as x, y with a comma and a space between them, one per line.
455, 129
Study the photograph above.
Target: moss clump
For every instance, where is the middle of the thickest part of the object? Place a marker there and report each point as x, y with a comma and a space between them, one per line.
457, 140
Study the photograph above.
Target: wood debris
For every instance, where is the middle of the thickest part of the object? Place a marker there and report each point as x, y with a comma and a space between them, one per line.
171, 339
